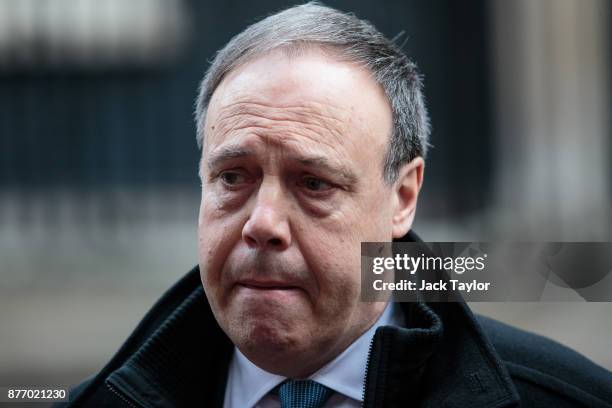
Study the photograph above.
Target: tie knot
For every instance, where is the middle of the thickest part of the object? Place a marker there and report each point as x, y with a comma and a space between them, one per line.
303, 394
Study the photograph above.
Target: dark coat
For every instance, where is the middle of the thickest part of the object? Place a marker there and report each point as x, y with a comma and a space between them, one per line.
178, 356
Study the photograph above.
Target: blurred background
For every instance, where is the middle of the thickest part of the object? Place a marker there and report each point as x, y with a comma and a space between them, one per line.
98, 162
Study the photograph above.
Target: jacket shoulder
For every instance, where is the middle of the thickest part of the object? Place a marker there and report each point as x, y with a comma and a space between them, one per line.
544, 370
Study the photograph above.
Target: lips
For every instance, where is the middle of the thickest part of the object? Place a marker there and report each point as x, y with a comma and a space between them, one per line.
267, 285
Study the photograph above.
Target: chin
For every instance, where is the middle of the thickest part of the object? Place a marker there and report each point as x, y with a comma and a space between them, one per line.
266, 333
290, 354
267, 344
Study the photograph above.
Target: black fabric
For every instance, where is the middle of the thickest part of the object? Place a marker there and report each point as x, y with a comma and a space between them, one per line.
445, 357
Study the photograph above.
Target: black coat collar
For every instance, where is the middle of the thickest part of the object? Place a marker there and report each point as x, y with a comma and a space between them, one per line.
179, 355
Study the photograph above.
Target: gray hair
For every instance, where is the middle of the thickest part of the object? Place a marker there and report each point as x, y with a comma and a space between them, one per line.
351, 39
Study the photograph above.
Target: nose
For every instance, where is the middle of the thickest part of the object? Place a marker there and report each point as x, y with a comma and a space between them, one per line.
268, 225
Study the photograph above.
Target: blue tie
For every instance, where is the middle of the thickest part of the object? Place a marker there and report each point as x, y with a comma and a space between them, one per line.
303, 394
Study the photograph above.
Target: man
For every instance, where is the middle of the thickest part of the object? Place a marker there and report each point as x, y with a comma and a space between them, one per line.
313, 132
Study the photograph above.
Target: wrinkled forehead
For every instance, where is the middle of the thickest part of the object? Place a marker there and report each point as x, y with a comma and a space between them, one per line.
306, 117
311, 90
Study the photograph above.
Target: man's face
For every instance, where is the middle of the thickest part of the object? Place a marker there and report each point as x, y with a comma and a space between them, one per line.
291, 185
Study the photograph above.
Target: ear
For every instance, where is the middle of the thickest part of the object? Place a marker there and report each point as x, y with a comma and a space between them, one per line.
405, 193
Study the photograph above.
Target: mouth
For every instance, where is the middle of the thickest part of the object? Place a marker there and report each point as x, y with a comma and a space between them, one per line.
264, 296
267, 285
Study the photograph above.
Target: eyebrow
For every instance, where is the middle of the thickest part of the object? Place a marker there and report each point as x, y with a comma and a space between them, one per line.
321, 162
227, 153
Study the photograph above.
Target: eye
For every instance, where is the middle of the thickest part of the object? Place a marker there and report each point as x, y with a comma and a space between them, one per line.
232, 178
315, 184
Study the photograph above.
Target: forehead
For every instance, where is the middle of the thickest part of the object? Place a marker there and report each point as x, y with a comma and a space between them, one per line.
312, 96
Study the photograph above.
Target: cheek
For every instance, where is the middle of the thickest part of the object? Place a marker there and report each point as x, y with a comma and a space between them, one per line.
334, 254
376, 219
336, 261
216, 238
364, 218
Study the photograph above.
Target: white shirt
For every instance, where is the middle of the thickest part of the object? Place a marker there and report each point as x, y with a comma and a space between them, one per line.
248, 386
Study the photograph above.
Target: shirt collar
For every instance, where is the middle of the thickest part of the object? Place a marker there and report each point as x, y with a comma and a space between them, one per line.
248, 384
